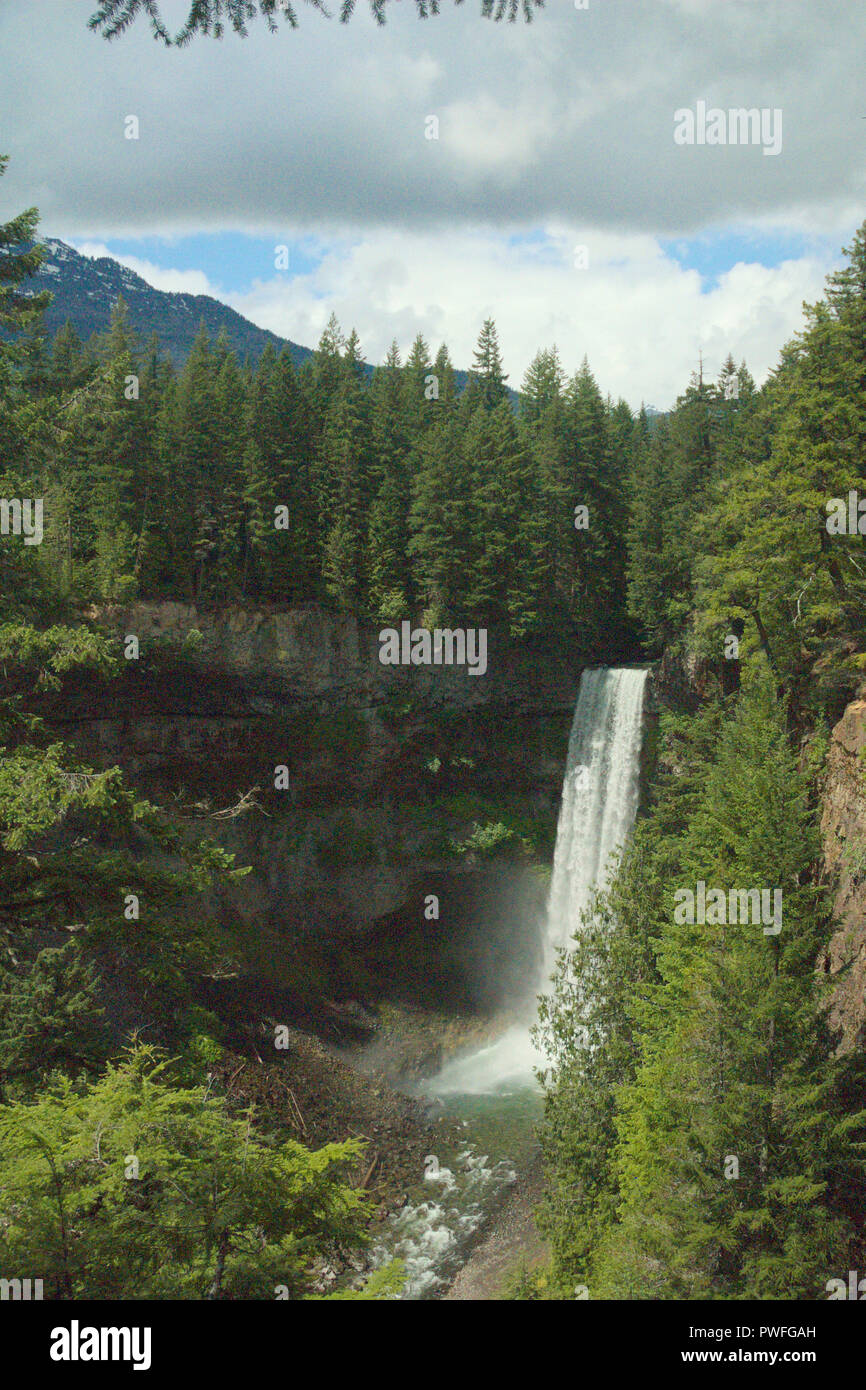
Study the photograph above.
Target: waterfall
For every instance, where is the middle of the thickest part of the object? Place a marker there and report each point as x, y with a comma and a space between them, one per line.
599, 795
599, 802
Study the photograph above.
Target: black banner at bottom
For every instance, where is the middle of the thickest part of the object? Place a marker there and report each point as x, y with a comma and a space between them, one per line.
87, 1339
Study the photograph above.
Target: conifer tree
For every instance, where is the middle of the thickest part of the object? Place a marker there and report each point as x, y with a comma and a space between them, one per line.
441, 544
735, 1055
213, 1208
387, 561
69, 365
193, 445
769, 554
112, 18
598, 485
543, 384
417, 370
503, 582
487, 367
282, 548
20, 258
343, 452
443, 373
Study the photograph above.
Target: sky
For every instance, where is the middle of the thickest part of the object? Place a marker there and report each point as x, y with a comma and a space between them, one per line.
560, 197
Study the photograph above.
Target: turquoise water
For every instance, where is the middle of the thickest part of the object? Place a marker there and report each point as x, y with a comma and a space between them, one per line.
448, 1212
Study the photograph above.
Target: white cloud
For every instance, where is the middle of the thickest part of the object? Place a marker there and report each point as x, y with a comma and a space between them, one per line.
640, 318
486, 135
570, 118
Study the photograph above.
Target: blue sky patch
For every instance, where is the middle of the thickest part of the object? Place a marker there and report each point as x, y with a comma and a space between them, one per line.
713, 253
232, 261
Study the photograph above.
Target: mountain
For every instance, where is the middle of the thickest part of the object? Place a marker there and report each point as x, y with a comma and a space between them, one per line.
86, 288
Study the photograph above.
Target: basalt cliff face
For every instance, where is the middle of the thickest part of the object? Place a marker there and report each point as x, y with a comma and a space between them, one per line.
399, 845
307, 655
213, 694
843, 829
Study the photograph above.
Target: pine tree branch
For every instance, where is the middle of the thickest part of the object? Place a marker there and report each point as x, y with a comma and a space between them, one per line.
113, 18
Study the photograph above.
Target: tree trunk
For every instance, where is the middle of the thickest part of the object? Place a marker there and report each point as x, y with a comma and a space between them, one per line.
216, 1287
765, 641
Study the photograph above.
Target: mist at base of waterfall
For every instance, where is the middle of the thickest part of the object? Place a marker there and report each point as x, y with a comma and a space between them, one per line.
506, 1065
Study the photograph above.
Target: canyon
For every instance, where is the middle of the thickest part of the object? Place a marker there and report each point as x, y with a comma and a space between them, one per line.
404, 787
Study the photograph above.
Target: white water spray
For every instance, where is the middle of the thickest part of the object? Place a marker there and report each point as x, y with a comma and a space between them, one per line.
599, 802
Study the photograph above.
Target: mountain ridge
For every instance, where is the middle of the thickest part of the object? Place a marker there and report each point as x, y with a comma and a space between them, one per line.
85, 289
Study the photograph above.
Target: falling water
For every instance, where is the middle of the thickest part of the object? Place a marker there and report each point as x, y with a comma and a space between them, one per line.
599, 801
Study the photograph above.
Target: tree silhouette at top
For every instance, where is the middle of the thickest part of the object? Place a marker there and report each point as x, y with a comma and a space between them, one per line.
113, 17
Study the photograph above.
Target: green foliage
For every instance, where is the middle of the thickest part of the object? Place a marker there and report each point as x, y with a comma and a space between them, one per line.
75, 843
490, 841
133, 1187
124, 1178
18, 310
385, 497
728, 528
526, 1285
383, 1284
586, 1029
674, 1046
679, 1047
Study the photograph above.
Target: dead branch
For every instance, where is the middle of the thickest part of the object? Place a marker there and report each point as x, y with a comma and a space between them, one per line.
369, 1173
246, 803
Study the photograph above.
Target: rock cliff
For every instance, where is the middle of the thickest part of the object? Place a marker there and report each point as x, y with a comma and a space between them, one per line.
843, 829
401, 783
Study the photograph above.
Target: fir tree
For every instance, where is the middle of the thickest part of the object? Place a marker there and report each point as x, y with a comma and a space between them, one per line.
20, 259
487, 367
